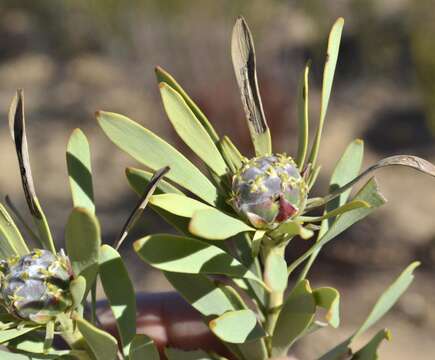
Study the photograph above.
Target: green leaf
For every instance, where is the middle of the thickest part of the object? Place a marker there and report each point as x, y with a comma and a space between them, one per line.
370, 350
103, 345
382, 306
410, 161
389, 297
181, 224
78, 159
296, 315
7, 335
237, 327
120, 294
255, 349
243, 56
351, 205
328, 78
210, 299
154, 152
142, 347
200, 292
275, 271
370, 194
257, 239
77, 288
213, 224
164, 76
11, 241
176, 354
139, 180
190, 129
49, 336
24, 356
292, 228
18, 216
231, 154
31, 347
303, 116
346, 169
190, 256
141, 205
17, 127
329, 299
178, 204
83, 241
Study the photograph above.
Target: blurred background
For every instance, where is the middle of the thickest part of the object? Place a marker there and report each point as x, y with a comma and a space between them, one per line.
75, 57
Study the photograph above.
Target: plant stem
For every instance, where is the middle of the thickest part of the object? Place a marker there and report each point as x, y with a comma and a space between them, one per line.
274, 299
71, 334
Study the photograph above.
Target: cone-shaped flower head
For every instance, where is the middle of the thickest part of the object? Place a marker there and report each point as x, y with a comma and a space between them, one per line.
269, 190
35, 287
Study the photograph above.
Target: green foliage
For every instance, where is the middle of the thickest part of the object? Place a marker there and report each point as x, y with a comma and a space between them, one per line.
215, 225
11, 241
142, 347
239, 205
329, 299
237, 327
120, 293
188, 255
78, 159
83, 241
236, 220
382, 306
103, 346
296, 315
155, 153
190, 129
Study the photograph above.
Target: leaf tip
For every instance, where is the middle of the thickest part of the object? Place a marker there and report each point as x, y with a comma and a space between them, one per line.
388, 335
339, 21
212, 324
137, 245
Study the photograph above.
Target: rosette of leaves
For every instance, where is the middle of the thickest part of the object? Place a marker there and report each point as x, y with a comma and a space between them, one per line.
236, 218
43, 290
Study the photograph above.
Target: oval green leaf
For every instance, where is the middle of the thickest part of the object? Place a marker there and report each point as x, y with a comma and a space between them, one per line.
103, 345
190, 256
237, 327
154, 152
275, 271
78, 290
176, 354
120, 293
296, 316
213, 224
178, 204
11, 241
78, 159
164, 76
329, 299
83, 241
143, 348
190, 129
200, 292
